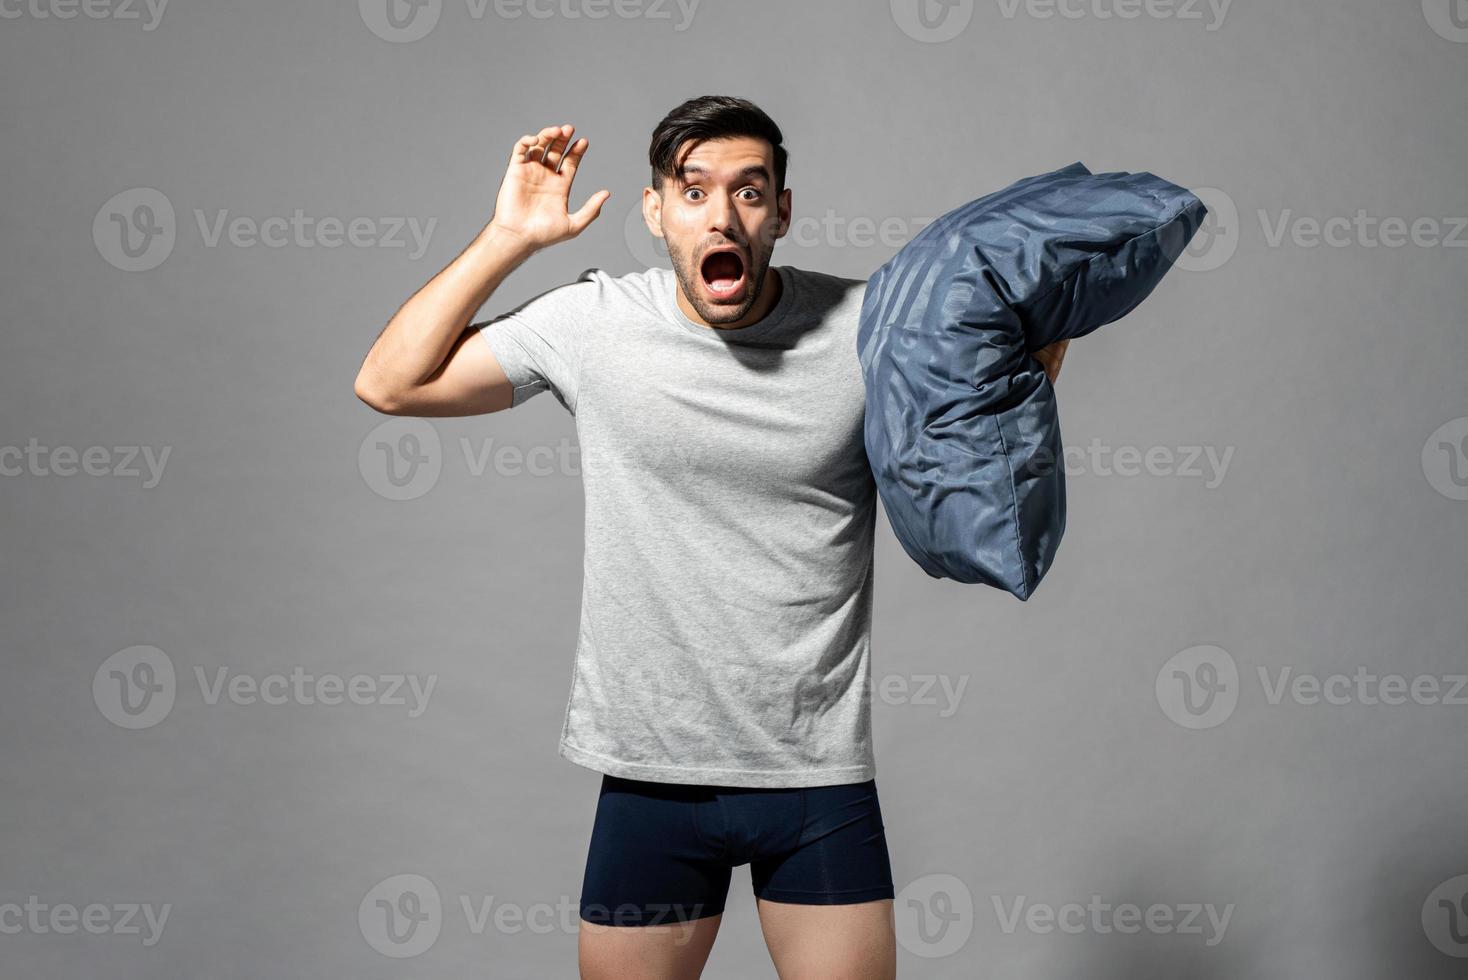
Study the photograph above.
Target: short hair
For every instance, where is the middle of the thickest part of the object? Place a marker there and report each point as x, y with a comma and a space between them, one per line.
710, 117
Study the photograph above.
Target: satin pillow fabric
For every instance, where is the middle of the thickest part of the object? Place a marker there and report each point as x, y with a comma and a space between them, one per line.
961, 426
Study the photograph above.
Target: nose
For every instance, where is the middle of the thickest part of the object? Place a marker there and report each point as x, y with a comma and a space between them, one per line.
721, 214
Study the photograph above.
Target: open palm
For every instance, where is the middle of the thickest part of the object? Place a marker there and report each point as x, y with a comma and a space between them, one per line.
534, 198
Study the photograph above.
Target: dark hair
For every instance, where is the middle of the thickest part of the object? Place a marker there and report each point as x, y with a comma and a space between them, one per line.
709, 117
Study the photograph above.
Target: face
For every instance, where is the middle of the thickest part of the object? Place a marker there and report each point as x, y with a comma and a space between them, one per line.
721, 219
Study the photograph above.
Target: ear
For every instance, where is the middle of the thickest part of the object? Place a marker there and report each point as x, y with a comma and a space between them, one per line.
782, 208
652, 211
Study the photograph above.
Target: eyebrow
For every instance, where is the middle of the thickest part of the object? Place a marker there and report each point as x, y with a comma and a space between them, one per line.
753, 170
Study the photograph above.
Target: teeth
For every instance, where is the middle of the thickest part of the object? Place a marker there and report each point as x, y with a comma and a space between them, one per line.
733, 284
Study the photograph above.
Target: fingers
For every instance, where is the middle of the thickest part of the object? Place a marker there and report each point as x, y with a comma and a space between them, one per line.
550, 137
558, 151
587, 213
552, 147
572, 157
528, 145
532, 145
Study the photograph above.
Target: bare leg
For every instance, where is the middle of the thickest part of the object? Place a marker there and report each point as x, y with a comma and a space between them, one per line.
831, 942
676, 951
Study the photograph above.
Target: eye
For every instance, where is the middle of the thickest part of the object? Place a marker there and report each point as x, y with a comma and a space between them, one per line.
692, 190
754, 191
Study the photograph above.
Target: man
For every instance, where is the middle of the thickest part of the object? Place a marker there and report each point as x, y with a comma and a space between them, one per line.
722, 670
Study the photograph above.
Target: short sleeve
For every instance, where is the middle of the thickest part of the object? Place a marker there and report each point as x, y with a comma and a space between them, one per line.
538, 344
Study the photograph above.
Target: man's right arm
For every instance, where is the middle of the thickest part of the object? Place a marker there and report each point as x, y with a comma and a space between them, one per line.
423, 363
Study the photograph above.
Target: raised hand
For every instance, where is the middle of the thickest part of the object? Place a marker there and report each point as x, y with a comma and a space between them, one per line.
534, 199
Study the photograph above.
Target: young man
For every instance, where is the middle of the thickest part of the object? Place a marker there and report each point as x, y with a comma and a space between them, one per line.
722, 670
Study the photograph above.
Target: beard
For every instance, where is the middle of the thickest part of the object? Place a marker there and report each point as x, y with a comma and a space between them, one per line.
687, 267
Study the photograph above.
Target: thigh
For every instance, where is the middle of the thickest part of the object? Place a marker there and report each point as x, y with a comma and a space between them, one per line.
653, 889
821, 942
825, 906
664, 952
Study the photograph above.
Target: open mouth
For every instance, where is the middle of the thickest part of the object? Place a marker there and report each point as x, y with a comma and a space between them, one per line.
723, 272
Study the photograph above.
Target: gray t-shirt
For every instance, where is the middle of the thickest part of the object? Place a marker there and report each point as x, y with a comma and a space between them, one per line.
727, 583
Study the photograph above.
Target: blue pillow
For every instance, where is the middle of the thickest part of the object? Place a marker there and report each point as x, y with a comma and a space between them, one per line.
961, 426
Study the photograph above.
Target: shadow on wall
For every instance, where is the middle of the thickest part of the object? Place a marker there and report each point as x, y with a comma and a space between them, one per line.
1405, 889
1412, 890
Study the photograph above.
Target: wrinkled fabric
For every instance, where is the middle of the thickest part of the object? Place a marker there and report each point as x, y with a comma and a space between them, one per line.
961, 427
726, 597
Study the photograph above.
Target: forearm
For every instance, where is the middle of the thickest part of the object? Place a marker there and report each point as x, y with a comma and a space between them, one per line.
420, 364
424, 330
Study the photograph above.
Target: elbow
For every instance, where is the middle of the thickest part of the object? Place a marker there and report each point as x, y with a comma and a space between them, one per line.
376, 397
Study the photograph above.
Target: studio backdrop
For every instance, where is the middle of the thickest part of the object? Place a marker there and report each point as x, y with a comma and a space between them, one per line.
284, 676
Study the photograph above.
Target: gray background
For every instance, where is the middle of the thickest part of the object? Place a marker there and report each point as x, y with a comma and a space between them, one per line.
1333, 541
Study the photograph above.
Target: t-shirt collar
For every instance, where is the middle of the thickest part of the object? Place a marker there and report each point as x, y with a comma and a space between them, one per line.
772, 320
